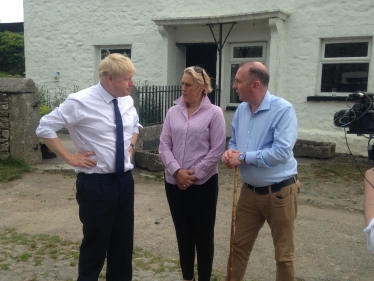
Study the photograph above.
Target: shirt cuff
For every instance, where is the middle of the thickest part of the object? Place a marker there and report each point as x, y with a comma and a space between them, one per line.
46, 132
369, 231
251, 158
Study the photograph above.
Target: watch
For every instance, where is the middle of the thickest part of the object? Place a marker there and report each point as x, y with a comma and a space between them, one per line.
241, 157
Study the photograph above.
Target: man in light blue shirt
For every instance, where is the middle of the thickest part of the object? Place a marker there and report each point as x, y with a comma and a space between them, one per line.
264, 132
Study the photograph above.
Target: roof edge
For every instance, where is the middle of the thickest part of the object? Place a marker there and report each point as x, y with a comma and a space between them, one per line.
222, 18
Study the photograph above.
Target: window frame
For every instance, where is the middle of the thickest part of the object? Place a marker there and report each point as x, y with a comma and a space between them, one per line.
341, 60
104, 48
263, 59
98, 58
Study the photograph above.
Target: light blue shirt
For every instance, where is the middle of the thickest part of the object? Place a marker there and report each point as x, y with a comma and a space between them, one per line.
267, 137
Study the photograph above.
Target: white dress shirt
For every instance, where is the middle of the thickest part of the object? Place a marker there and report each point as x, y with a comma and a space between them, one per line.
369, 231
89, 117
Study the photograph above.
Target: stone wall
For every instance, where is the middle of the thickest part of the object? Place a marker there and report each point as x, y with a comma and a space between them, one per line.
19, 118
149, 138
147, 135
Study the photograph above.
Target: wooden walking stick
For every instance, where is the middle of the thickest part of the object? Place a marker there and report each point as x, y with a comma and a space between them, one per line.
233, 221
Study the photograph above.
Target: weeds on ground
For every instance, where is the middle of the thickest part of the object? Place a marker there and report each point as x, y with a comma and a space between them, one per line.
157, 263
37, 248
11, 169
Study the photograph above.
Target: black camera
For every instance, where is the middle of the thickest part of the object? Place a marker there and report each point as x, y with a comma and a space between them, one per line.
360, 117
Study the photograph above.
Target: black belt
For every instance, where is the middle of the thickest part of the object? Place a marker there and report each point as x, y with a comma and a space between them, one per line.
97, 176
274, 188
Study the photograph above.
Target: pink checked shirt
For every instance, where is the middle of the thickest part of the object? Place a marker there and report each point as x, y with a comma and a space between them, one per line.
193, 143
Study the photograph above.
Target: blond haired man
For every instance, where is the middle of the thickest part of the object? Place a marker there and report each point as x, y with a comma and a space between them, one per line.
103, 125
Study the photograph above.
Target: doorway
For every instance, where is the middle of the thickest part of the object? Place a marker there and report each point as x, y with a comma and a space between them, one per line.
204, 55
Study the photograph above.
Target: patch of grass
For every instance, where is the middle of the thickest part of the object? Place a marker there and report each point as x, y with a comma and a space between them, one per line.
11, 169
160, 269
41, 247
25, 256
40, 251
38, 261
4, 266
5, 74
54, 253
217, 277
333, 171
159, 177
360, 191
144, 260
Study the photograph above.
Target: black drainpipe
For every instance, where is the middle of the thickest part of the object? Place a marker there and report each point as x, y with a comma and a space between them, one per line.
219, 47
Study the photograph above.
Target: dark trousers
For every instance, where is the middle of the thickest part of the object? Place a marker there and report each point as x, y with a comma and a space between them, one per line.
194, 215
106, 210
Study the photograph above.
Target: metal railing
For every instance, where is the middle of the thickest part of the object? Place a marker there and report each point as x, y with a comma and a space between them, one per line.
155, 101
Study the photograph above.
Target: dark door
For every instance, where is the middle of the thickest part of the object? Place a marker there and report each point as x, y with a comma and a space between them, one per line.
204, 55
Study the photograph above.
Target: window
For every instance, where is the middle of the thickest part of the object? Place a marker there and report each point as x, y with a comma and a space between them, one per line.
345, 65
104, 51
242, 53
100, 52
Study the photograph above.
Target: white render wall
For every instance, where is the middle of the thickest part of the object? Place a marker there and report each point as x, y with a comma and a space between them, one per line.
64, 35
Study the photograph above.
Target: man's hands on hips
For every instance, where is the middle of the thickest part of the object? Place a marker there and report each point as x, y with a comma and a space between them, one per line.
82, 159
231, 158
78, 159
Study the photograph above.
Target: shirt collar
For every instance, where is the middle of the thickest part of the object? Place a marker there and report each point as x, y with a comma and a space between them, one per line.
104, 94
204, 102
265, 103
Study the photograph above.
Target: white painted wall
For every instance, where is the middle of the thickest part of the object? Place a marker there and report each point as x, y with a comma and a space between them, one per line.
64, 36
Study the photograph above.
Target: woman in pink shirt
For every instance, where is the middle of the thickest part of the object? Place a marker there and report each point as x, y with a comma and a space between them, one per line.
192, 142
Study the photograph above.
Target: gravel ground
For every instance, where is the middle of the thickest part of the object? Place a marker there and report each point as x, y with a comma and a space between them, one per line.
329, 229
329, 237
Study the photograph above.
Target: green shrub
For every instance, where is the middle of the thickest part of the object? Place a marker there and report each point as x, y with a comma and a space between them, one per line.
44, 109
52, 98
151, 102
12, 52
11, 169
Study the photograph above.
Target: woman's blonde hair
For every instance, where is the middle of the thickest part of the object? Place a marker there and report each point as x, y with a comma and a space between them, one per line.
197, 73
115, 64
